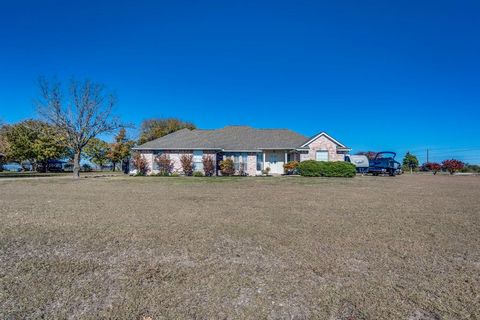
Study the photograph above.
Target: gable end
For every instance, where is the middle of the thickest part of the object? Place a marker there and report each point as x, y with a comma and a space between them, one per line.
324, 134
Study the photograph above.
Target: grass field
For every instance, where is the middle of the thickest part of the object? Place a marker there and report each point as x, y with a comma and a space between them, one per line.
266, 248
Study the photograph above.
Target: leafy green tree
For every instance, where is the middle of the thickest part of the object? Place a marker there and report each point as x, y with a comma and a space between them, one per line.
410, 162
152, 129
120, 149
35, 141
475, 168
20, 139
3, 138
4, 145
97, 151
50, 144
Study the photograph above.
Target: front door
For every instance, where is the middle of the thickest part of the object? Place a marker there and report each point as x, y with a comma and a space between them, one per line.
218, 159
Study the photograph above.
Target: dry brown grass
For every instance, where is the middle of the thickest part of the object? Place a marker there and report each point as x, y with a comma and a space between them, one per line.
273, 248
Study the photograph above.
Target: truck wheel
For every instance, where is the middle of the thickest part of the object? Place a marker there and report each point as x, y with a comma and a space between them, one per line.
392, 173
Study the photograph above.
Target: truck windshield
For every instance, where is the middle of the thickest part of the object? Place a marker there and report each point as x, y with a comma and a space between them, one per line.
385, 155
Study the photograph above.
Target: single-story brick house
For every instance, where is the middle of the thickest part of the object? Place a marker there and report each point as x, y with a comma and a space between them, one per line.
252, 150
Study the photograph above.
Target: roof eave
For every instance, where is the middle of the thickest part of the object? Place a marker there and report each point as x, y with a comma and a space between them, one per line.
280, 148
232, 150
147, 148
323, 134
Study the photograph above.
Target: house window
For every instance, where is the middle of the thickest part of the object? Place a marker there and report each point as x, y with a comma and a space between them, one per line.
198, 160
244, 161
322, 155
156, 155
259, 161
236, 161
240, 160
273, 158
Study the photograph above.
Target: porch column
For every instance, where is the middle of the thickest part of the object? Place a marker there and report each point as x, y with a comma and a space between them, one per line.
153, 161
263, 166
286, 157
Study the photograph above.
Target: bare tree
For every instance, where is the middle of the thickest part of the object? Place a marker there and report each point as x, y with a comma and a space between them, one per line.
82, 116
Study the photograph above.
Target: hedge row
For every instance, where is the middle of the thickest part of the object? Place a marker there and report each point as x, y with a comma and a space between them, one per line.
312, 168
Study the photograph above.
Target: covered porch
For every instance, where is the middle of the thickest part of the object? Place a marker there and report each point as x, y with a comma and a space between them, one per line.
254, 162
275, 159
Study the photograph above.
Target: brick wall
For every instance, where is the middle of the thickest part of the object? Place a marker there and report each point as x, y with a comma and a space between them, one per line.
174, 156
323, 143
252, 164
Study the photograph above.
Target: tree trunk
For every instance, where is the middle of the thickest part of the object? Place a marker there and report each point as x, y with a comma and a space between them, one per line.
76, 165
114, 164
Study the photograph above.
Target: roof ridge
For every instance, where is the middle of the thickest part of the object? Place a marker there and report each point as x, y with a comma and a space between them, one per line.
241, 126
274, 129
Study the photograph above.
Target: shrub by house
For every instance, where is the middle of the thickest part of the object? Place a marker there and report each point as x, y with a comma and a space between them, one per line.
164, 164
208, 165
187, 164
309, 168
290, 167
140, 163
227, 167
312, 168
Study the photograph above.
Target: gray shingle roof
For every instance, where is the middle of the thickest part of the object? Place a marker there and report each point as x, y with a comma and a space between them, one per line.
239, 138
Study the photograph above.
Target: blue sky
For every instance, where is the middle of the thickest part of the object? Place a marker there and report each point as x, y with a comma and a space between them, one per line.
376, 75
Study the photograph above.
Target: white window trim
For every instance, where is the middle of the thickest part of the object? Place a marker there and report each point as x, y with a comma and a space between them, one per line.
325, 135
322, 151
198, 160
